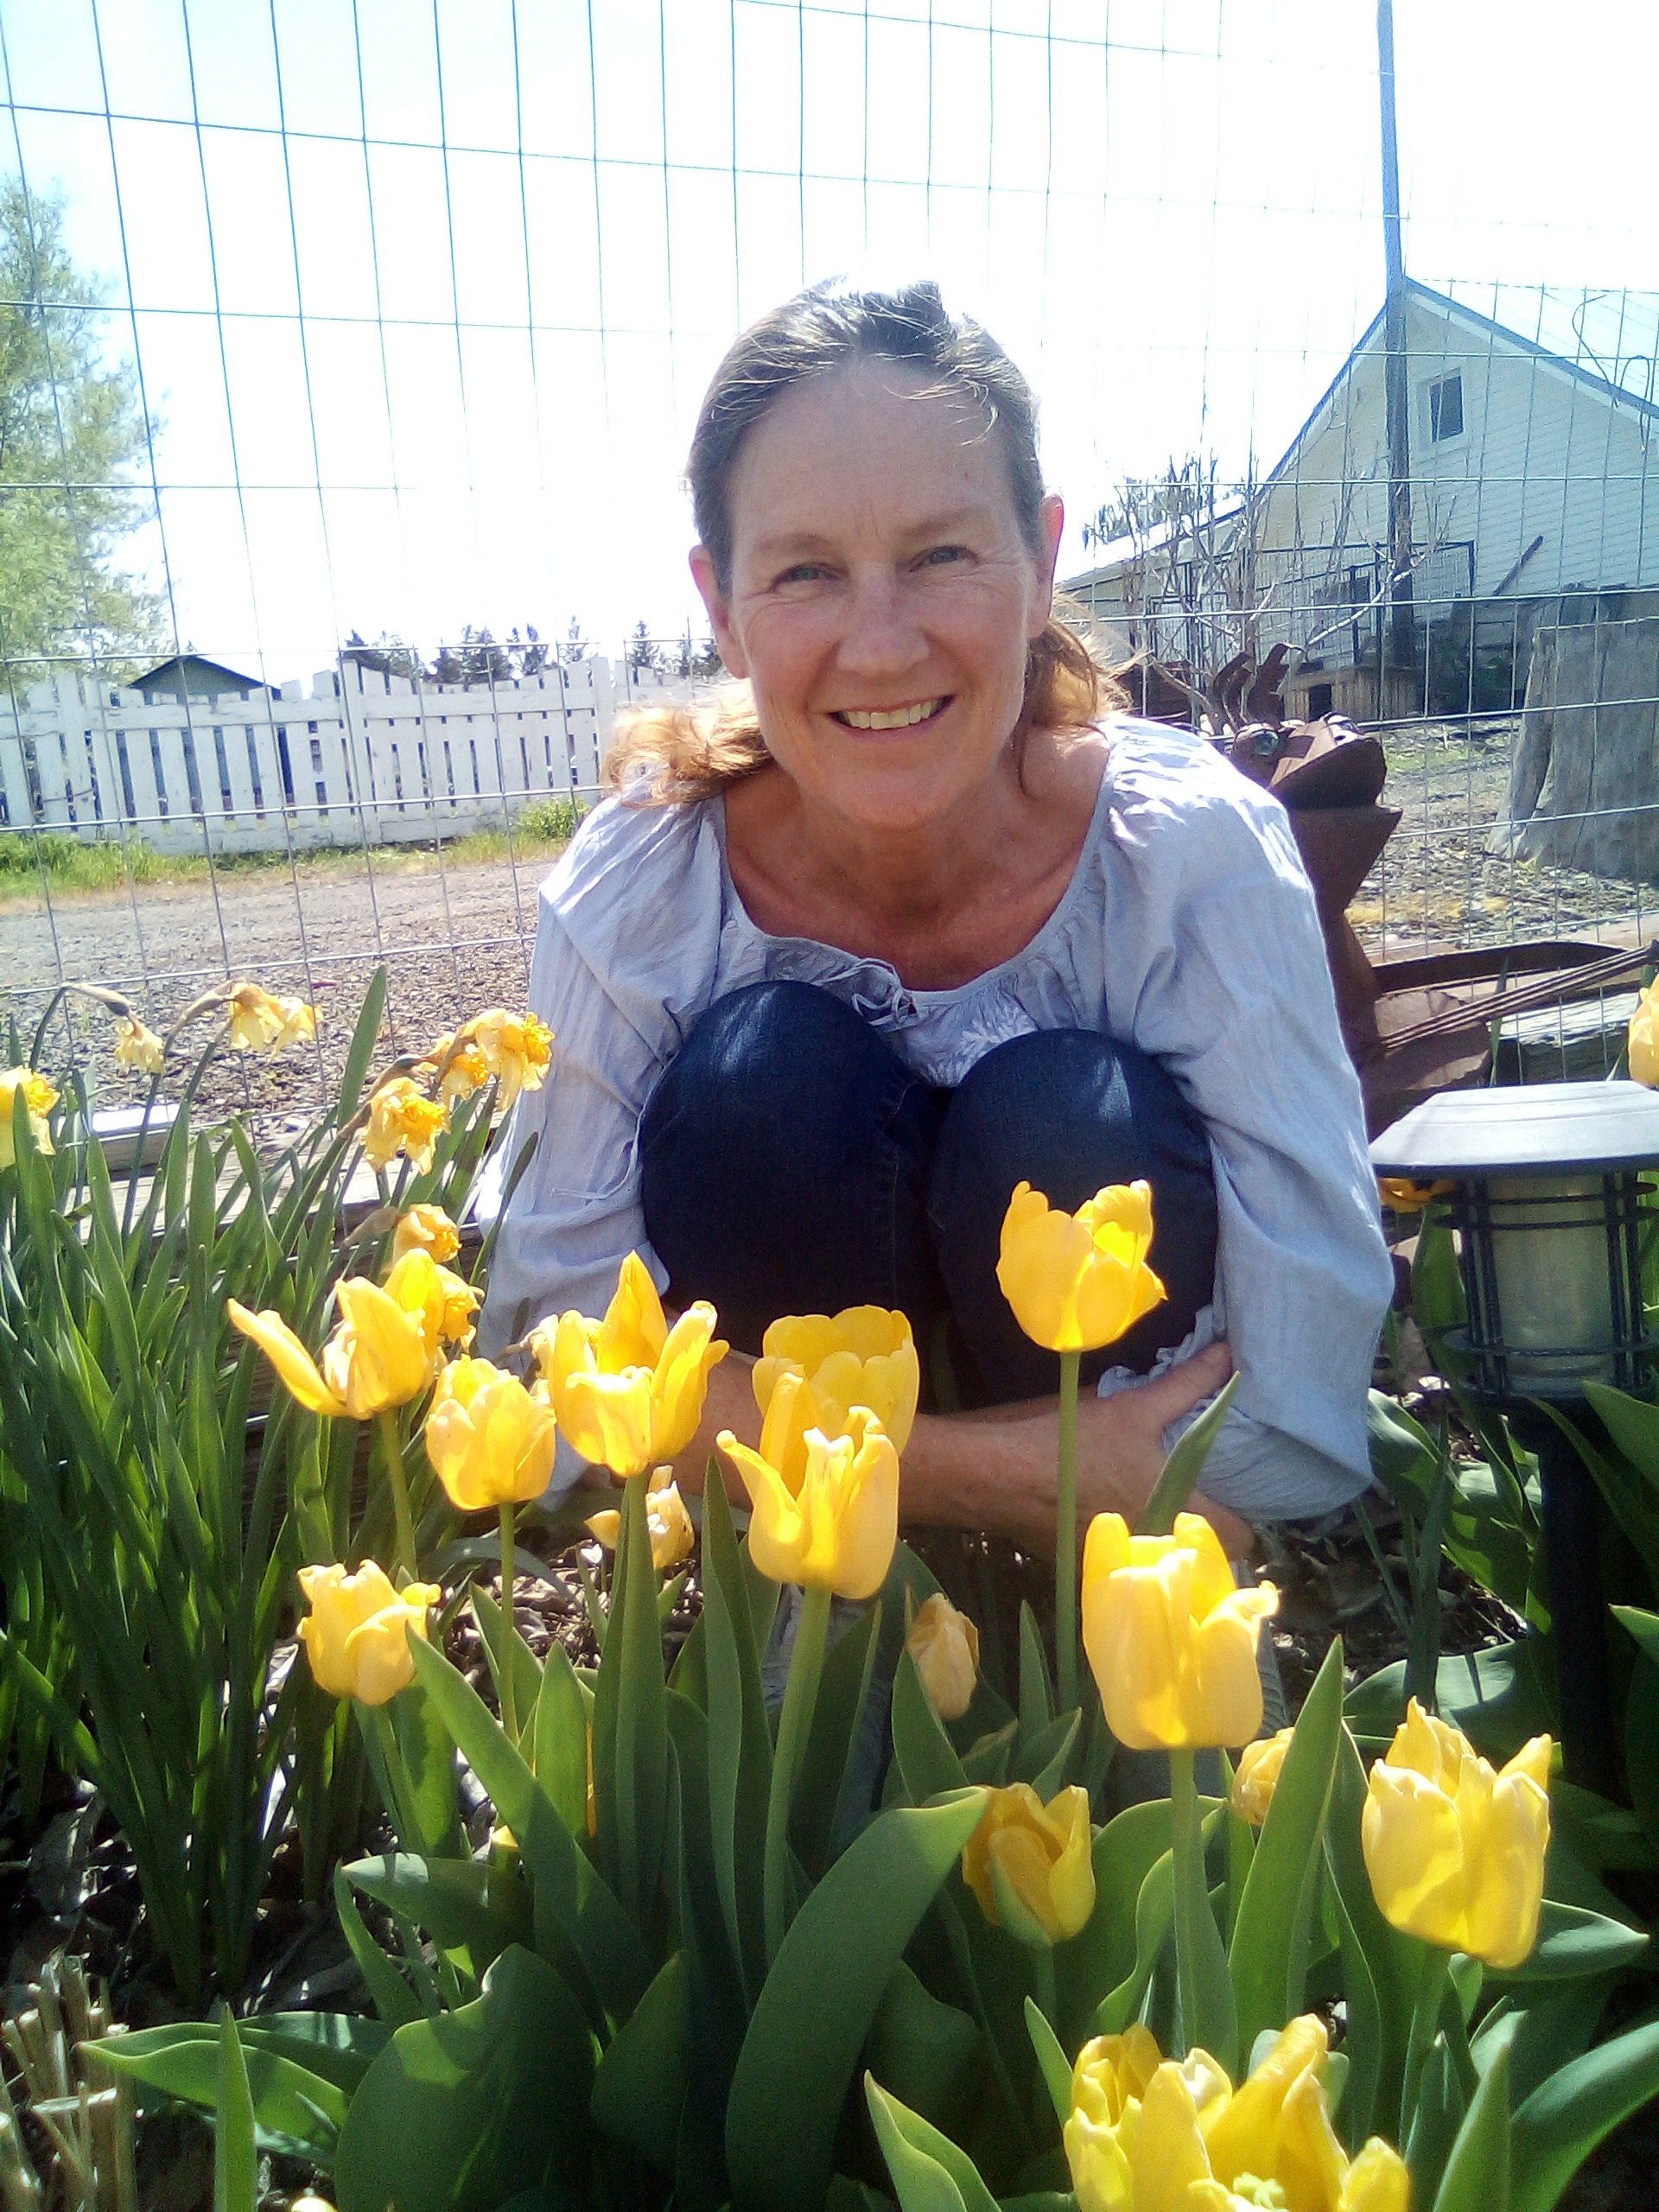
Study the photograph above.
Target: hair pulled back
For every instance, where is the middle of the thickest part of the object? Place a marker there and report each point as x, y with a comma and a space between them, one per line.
678, 754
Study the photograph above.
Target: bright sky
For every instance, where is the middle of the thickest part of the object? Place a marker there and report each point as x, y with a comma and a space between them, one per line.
439, 286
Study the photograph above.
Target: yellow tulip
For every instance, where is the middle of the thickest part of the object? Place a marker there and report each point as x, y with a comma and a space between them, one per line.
402, 1118
1641, 1050
425, 1228
490, 1440
944, 1644
382, 1353
1170, 1636
864, 1356
1079, 1281
39, 1098
516, 1049
628, 1390
137, 1045
356, 1633
838, 1532
1257, 1775
1146, 2134
672, 1536
1455, 1850
1030, 1864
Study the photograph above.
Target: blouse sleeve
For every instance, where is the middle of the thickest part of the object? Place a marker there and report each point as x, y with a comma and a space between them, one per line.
1227, 984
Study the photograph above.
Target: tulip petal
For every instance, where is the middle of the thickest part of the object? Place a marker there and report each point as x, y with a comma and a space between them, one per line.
680, 1384
1413, 1847
635, 1328
289, 1357
777, 1527
1167, 2152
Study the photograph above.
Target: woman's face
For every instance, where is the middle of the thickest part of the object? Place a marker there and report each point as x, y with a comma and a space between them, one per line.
882, 598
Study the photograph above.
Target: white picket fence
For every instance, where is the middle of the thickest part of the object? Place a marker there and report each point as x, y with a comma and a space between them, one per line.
360, 757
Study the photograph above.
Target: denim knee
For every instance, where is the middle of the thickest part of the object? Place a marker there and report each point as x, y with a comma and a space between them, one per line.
783, 1156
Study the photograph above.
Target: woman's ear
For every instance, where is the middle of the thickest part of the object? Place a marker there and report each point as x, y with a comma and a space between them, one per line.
1050, 518
707, 584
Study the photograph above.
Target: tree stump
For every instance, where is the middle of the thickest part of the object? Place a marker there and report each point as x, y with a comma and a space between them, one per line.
1584, 785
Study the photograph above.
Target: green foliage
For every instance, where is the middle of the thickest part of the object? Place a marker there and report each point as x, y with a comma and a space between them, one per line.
555, 820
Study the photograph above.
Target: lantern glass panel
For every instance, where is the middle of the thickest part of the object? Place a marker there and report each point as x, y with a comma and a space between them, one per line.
1554, 1293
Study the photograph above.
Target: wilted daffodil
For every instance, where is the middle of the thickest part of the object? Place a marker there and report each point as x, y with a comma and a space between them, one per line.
1454, 1849
1147, 2134
1257, 1776
1029, 1865
382, 1353
137, 1045
836, 1530
40, 1096
425, 1228
628, 1390
944, 1644
1079, 1281
490, 1441
259, 1022
356, 1633
672, 1536
864, 1356
1642, 1047
1170, 1636
402, 1118
516, 1049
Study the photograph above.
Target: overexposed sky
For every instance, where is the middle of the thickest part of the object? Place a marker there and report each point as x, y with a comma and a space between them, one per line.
424, 293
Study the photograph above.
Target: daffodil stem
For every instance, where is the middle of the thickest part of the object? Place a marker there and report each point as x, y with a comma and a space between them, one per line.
1065, 1539
504, 1631
392, 1445
794, 1725
1433, 1976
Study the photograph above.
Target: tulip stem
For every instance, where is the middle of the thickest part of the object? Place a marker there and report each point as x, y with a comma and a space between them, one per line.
386, 1757
505, 1687
1065, 1539
391, 1446
1209, 2020
1042, 1977
1434, 1978
794, 1725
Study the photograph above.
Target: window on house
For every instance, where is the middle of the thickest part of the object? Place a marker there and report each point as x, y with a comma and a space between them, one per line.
1445, 408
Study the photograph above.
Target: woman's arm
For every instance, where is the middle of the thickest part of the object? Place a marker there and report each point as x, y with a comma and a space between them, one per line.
995, 1470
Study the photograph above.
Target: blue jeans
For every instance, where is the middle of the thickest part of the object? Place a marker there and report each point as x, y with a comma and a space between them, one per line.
791, 1163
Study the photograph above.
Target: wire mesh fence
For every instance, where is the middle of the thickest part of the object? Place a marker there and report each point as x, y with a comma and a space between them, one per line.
334, 320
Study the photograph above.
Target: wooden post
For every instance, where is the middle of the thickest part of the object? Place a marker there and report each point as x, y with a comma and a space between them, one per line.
1400, 650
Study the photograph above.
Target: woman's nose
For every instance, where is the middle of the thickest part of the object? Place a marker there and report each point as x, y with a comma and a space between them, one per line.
880, 634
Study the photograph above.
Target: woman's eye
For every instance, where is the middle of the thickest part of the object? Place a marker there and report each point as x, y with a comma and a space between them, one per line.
804, 572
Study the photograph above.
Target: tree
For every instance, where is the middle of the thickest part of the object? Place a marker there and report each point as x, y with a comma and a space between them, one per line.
71, 429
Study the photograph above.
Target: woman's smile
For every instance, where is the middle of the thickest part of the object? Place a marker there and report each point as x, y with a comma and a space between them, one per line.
923, 710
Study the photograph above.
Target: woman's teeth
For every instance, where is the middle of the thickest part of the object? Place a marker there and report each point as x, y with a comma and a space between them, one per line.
892, 717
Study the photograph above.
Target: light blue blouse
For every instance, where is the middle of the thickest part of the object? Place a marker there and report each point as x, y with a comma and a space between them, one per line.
1188, 929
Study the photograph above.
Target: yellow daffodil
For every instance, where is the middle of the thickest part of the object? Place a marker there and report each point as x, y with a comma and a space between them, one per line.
863, 1356
1400, 1195
628, 1390
1146, 2134
490, 1441
256, 1018
461, 1303
1257, 1775
296, 1025
1029, 1865
837, 1530
672, 1536
459, 1066
1641, 1049
944, 1644
1455, 1850
382, 1353
356, 1633
516, 1049
425, 1228
1170, 1636
39, 1098
137, 1046
402, 1118
1079, 1281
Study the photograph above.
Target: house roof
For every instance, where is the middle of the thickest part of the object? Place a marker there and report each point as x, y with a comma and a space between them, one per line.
181, 667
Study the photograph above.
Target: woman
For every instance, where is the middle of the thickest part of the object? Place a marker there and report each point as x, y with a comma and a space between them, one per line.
833, 969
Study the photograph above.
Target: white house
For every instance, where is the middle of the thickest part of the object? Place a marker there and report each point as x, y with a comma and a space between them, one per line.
1530, 479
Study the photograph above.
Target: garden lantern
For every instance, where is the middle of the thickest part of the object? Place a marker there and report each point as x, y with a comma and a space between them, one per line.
1548, 1198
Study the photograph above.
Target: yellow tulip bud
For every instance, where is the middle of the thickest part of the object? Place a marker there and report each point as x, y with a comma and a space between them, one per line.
1455, 1850
1079, 1281
425, 1228
402, 1118
1170, 1638
1031, 1865
839, 1531
39, 1098
1642, 1047
864, 1356
1257, 1775
629, 1390
137, 1045
490, 1440
356, 1633
516, 1048
672, 1536
944, 1644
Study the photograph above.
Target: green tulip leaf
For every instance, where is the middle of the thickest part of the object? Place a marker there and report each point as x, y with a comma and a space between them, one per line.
449, 1897
293, 2106
641, 2082
1476, 2175
1633, 1424
1572, 1942
986, 1759
236, 2167
927, 1759
526, 1666
462, 2113
739, 1737
1103, 1952
1042, 1759
1036, 1684
924, 2051
1154, 1908
1552, 2031
629, 1719
392, 1996
1269, 1950
1051, 2060
559, 1740
1556, 2128
1387, 1961
931, 2172
1440, 2109
830, 1772
822, 1994
1180, 1477
1645, 1627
